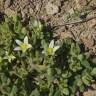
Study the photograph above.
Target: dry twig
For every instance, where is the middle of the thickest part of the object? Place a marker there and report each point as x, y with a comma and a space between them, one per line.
76, 22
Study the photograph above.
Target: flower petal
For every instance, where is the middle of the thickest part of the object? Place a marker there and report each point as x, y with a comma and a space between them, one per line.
18, 42
17, 48
51, 45
56, 48
29, 46
26, 40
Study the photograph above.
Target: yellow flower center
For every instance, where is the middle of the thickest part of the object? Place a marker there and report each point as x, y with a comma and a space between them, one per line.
50, 50
24, 46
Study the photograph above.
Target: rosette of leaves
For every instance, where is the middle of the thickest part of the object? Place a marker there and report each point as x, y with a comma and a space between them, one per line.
68, 71
77, 68
11, 28
35, 30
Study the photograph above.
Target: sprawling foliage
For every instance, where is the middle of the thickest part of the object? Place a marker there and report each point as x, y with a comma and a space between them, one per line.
41, 66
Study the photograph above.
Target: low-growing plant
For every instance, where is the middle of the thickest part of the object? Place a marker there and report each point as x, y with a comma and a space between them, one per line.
34, 64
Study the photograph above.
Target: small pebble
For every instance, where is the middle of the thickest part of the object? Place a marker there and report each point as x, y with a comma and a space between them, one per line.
10, 12
51, 9
7, 4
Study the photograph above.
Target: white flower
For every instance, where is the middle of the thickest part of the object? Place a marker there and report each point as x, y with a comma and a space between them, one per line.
23, 46
51, 48
9, 57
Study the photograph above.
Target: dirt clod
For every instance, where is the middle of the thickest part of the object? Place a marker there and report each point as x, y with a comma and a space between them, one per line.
90, 93
7, 4
51, 9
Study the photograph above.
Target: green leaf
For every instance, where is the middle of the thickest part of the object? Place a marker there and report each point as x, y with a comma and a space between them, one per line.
75, 66
93, 73
80, 57
13, 91
66, 91
78, 50
87, 79
78, 80
66, 74
94, 60
86, 64
51, 90
23, 31
57, 93
1, 59
75, 49
73, 88
35, 93
82, 88
50, 77
15, 18
87, 54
